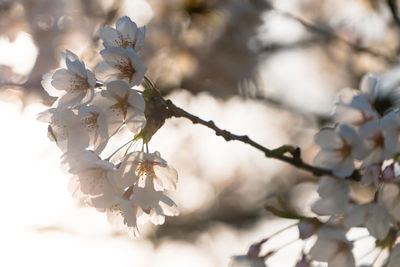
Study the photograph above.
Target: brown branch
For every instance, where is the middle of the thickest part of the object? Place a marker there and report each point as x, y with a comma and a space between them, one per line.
394, 10
281, 153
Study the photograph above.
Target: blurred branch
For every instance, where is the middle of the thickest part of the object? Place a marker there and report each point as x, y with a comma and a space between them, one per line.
330, 34
394, 9
280, 153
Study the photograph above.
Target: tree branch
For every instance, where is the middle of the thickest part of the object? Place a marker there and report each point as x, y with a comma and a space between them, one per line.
280, 153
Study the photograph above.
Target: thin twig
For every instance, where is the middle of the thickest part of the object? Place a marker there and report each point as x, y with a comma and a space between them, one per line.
329, 33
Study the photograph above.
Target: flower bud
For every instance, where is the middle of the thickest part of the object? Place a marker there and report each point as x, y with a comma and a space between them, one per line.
388, 173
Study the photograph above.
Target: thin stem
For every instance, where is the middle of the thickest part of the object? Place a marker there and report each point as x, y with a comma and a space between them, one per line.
115, 152
376, 258
283, 230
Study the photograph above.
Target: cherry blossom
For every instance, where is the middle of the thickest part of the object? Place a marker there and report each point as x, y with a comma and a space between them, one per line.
334, 196
333, 247
120, 105
76, 81
142, 166
126, 34
339, 148
120, 64
371, 215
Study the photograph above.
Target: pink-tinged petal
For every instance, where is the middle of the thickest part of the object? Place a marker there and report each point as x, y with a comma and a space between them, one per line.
105, 72
71, 99
117, 89
327, 159
378, 222
140, 36
109, 36
344, 168
348, 134
328, 206
110, 121
323, 250
62, 79
70, 55
356, 216
168, 177
135, 123
115, 56
127, 27
328, 138
136, 100
76, 67
328, 186
50, 89
344, 258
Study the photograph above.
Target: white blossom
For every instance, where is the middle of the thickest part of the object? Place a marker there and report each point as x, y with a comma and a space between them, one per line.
65, 129
357, 107
74, 85
371, 215
339, 148
120, 105
92, 178
120, 64
334, 196
389, 198
332, 247
126, 34
377, 146
138, 167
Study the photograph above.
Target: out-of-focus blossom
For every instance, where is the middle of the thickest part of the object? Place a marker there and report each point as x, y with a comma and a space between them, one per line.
120, 64
332, 247
334, 196
357, 108
339, 148
73, 85
366, 20
126, 34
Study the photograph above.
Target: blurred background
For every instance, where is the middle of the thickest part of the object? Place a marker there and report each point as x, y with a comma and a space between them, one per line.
268, 69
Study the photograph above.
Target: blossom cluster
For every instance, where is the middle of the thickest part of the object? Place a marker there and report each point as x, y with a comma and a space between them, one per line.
91, 110
361, 151
364, 141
